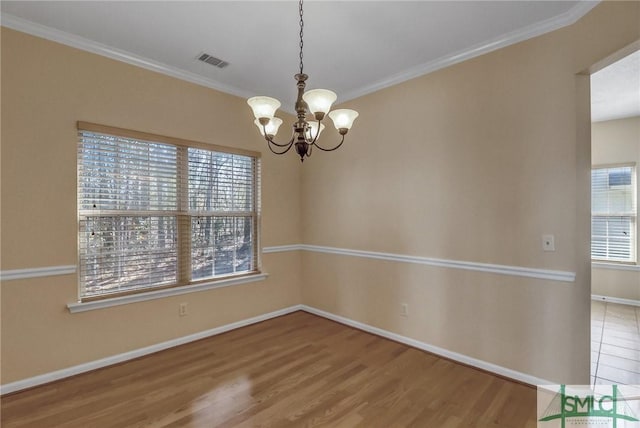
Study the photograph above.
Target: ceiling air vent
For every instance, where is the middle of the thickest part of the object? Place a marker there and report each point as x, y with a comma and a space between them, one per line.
212, 60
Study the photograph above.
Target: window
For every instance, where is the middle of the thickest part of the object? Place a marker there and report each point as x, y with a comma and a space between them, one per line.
159, 212
613, 214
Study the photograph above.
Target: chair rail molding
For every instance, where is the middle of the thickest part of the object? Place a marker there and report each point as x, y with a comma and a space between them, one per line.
546, 274
7, 275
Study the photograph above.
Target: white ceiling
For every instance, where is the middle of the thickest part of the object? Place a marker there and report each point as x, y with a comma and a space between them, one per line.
615, 90
351, 47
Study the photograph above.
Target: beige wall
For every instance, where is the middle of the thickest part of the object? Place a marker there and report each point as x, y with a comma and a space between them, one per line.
614, 142
474, 162
46, 88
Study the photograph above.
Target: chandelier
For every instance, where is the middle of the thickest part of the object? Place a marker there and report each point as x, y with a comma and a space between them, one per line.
305, 134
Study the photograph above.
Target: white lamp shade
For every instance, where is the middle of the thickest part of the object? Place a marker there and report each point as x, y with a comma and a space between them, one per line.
313, 130
263, 106
343, 118
272, 126
319, 100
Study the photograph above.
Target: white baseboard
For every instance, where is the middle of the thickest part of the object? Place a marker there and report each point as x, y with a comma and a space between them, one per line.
115, 359
460, 358
615, 300
104, 362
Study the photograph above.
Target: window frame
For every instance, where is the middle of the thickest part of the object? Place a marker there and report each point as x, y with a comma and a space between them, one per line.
633, 215
183, 216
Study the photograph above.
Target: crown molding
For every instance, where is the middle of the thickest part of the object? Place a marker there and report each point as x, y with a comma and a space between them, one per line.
15, 23
525, 33
567, 18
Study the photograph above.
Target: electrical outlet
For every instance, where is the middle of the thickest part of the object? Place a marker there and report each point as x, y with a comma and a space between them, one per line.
182, 310
404, 310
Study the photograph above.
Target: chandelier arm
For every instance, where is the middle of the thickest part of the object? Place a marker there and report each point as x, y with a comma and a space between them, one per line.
279, 145
330, 150
288, 147
264, 128
317, 133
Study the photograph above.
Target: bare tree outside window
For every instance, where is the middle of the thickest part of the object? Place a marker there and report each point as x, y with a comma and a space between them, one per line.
221, 193
145, 206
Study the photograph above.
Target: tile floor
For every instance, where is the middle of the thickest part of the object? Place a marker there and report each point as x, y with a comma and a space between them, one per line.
615, 344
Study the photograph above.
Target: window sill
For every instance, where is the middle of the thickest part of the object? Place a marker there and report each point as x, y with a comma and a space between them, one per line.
615, 266
159, 294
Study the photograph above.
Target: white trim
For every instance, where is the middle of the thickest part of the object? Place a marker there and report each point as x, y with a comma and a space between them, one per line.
619, 300
75, 41
553, 275
614, 266
136, 353
460, 358
159, 294
282, 248
531, 31
126, 356
7, 275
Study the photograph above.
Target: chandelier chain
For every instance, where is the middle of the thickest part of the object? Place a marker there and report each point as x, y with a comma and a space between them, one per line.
301, 34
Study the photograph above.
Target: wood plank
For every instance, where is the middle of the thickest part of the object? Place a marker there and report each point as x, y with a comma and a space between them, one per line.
298, 370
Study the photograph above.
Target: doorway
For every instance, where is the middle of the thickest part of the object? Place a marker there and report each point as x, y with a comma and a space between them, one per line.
615, 250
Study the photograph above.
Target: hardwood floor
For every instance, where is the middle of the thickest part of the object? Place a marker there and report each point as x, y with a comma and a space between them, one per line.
298, 370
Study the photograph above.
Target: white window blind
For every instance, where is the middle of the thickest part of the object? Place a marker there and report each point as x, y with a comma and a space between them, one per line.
157, 214
613, 214
221, 199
